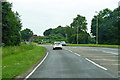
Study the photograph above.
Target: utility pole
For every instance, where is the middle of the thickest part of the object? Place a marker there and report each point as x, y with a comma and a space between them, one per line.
118, 3
77, 34
97, 29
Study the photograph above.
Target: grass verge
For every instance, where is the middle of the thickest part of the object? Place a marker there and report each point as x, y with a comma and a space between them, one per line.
18, 59
94, 45
0, 63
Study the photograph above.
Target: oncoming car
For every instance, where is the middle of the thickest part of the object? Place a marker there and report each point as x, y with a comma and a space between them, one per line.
57, 45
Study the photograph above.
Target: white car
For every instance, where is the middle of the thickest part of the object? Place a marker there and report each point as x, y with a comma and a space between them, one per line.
57, 45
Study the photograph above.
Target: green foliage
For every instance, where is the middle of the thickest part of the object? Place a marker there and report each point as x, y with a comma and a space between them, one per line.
77, 27
26, 34
109, 26
69, 33
11, 25
57, 33
9, 50
94, 45
18, 59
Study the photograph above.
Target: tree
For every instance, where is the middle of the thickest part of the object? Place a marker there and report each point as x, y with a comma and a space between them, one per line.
26, 34
77, 32
57, 33
11, 25
108, 26
68, 31
47, 32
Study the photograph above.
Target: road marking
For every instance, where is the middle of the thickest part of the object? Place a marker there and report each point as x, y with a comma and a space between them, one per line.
111, 52
77, 54
74, 53
36, 67
70, 50
110, 64
95, 64
102, 56
105, 60
74, 47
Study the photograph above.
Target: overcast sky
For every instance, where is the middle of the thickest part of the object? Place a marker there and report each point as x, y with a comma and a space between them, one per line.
39, 15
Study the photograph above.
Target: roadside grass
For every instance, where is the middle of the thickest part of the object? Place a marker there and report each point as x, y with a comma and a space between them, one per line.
0, 63
94, 45
18, 59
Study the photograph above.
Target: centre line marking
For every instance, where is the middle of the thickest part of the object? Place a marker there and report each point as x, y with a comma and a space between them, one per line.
70, 51
36, 67
74, 53
77, 54
95, 64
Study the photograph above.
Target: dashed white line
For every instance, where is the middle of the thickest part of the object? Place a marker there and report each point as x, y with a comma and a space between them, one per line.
70, 51
36, 67
95, 64
77, 54
74, 53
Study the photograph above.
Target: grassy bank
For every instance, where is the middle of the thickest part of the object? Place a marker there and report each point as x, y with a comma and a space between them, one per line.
18, 59
94, 45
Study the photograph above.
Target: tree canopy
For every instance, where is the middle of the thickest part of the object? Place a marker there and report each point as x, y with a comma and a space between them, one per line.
77, 29
57, 33
11, 25
108, 27
69, 33
26, 34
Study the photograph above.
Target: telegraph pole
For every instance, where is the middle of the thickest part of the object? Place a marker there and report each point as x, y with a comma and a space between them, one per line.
77, 34
118, 3
97, 29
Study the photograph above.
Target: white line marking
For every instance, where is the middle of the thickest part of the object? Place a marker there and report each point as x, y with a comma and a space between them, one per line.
110, 64
77, 54
70, 51
74, 53
104, 56
36, 67
95, 64
105, 60
111, 52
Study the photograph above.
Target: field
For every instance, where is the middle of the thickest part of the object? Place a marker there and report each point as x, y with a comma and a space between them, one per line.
18, 59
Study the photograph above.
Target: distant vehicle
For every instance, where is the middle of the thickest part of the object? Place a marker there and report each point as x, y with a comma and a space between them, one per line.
63, 43
57, 45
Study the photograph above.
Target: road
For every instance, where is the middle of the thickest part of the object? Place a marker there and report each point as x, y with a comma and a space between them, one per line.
78, 62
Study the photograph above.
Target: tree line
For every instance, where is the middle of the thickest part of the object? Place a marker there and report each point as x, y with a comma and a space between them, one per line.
108, 29
76, 32
56, 33
12, 34
108, 26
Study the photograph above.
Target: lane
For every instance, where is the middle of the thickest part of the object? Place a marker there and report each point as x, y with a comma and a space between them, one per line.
101, 56
105, 50
65, 64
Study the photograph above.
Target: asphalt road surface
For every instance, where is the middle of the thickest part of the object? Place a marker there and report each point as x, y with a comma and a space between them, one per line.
79, 62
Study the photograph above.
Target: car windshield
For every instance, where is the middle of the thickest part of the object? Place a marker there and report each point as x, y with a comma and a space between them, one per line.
57, 43
63, 42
